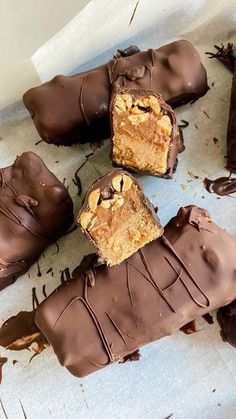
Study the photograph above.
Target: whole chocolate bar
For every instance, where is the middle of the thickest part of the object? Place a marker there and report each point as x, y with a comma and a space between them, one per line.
231, 133
108, 313
35, 210
76, 109
117, 217
145, 135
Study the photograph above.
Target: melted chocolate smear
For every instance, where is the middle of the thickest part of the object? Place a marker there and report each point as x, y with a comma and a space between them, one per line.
38, 142
19, 332
35, 301
209, 318
3, 409
44, 291
205, 113
3, 361
223, 186
184, 124
76, 180
39, 274
226, 317
225, 55
134, 356
134, 11
23, 410
65, 275
189, 328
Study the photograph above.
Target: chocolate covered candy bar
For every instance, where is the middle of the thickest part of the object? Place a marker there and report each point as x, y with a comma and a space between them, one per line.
145, 135
231, 132
108, 313
76, 109
117, 217
35, 210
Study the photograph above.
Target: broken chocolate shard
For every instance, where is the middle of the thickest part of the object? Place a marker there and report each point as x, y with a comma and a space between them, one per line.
145, 135
79, 111
156, 291
20, 331
35, 210
117, 217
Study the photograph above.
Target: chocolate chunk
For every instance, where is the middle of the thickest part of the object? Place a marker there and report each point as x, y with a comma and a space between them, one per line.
35, 210
156, 291
73, 109
117, 217
145, 135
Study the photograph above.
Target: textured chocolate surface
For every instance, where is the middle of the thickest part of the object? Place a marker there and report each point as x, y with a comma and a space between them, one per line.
76, 109
231, 132
35, 210
176, 138
107, 313
107, 193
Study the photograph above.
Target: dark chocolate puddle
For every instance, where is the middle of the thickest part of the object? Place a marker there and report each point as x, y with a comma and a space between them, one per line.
3, 361
223, 186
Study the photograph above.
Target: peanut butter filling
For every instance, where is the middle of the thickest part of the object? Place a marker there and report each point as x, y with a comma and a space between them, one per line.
120, 224
142, 133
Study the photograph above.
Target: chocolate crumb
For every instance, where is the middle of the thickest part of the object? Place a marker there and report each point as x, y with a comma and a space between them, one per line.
14, 361
134, 11
216, 141
184, 124
38, 142
205, 113
213, 391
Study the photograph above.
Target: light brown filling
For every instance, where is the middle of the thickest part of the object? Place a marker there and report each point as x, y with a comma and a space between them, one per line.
121, 224
142, 133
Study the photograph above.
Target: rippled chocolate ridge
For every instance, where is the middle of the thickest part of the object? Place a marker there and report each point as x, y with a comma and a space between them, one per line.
35, 210
76, 109
108, 313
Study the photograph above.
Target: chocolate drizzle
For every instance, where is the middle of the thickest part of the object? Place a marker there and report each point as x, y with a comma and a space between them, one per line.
3, 361
80, 111
159, 289
35, 210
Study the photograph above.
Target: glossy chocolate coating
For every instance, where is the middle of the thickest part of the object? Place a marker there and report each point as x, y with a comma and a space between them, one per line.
76, 109
107, 313
231, 132
35, 210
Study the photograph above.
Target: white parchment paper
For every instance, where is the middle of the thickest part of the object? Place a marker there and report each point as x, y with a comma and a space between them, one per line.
192, 377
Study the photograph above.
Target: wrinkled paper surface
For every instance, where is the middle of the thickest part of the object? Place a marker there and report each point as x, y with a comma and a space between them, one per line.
187, 376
